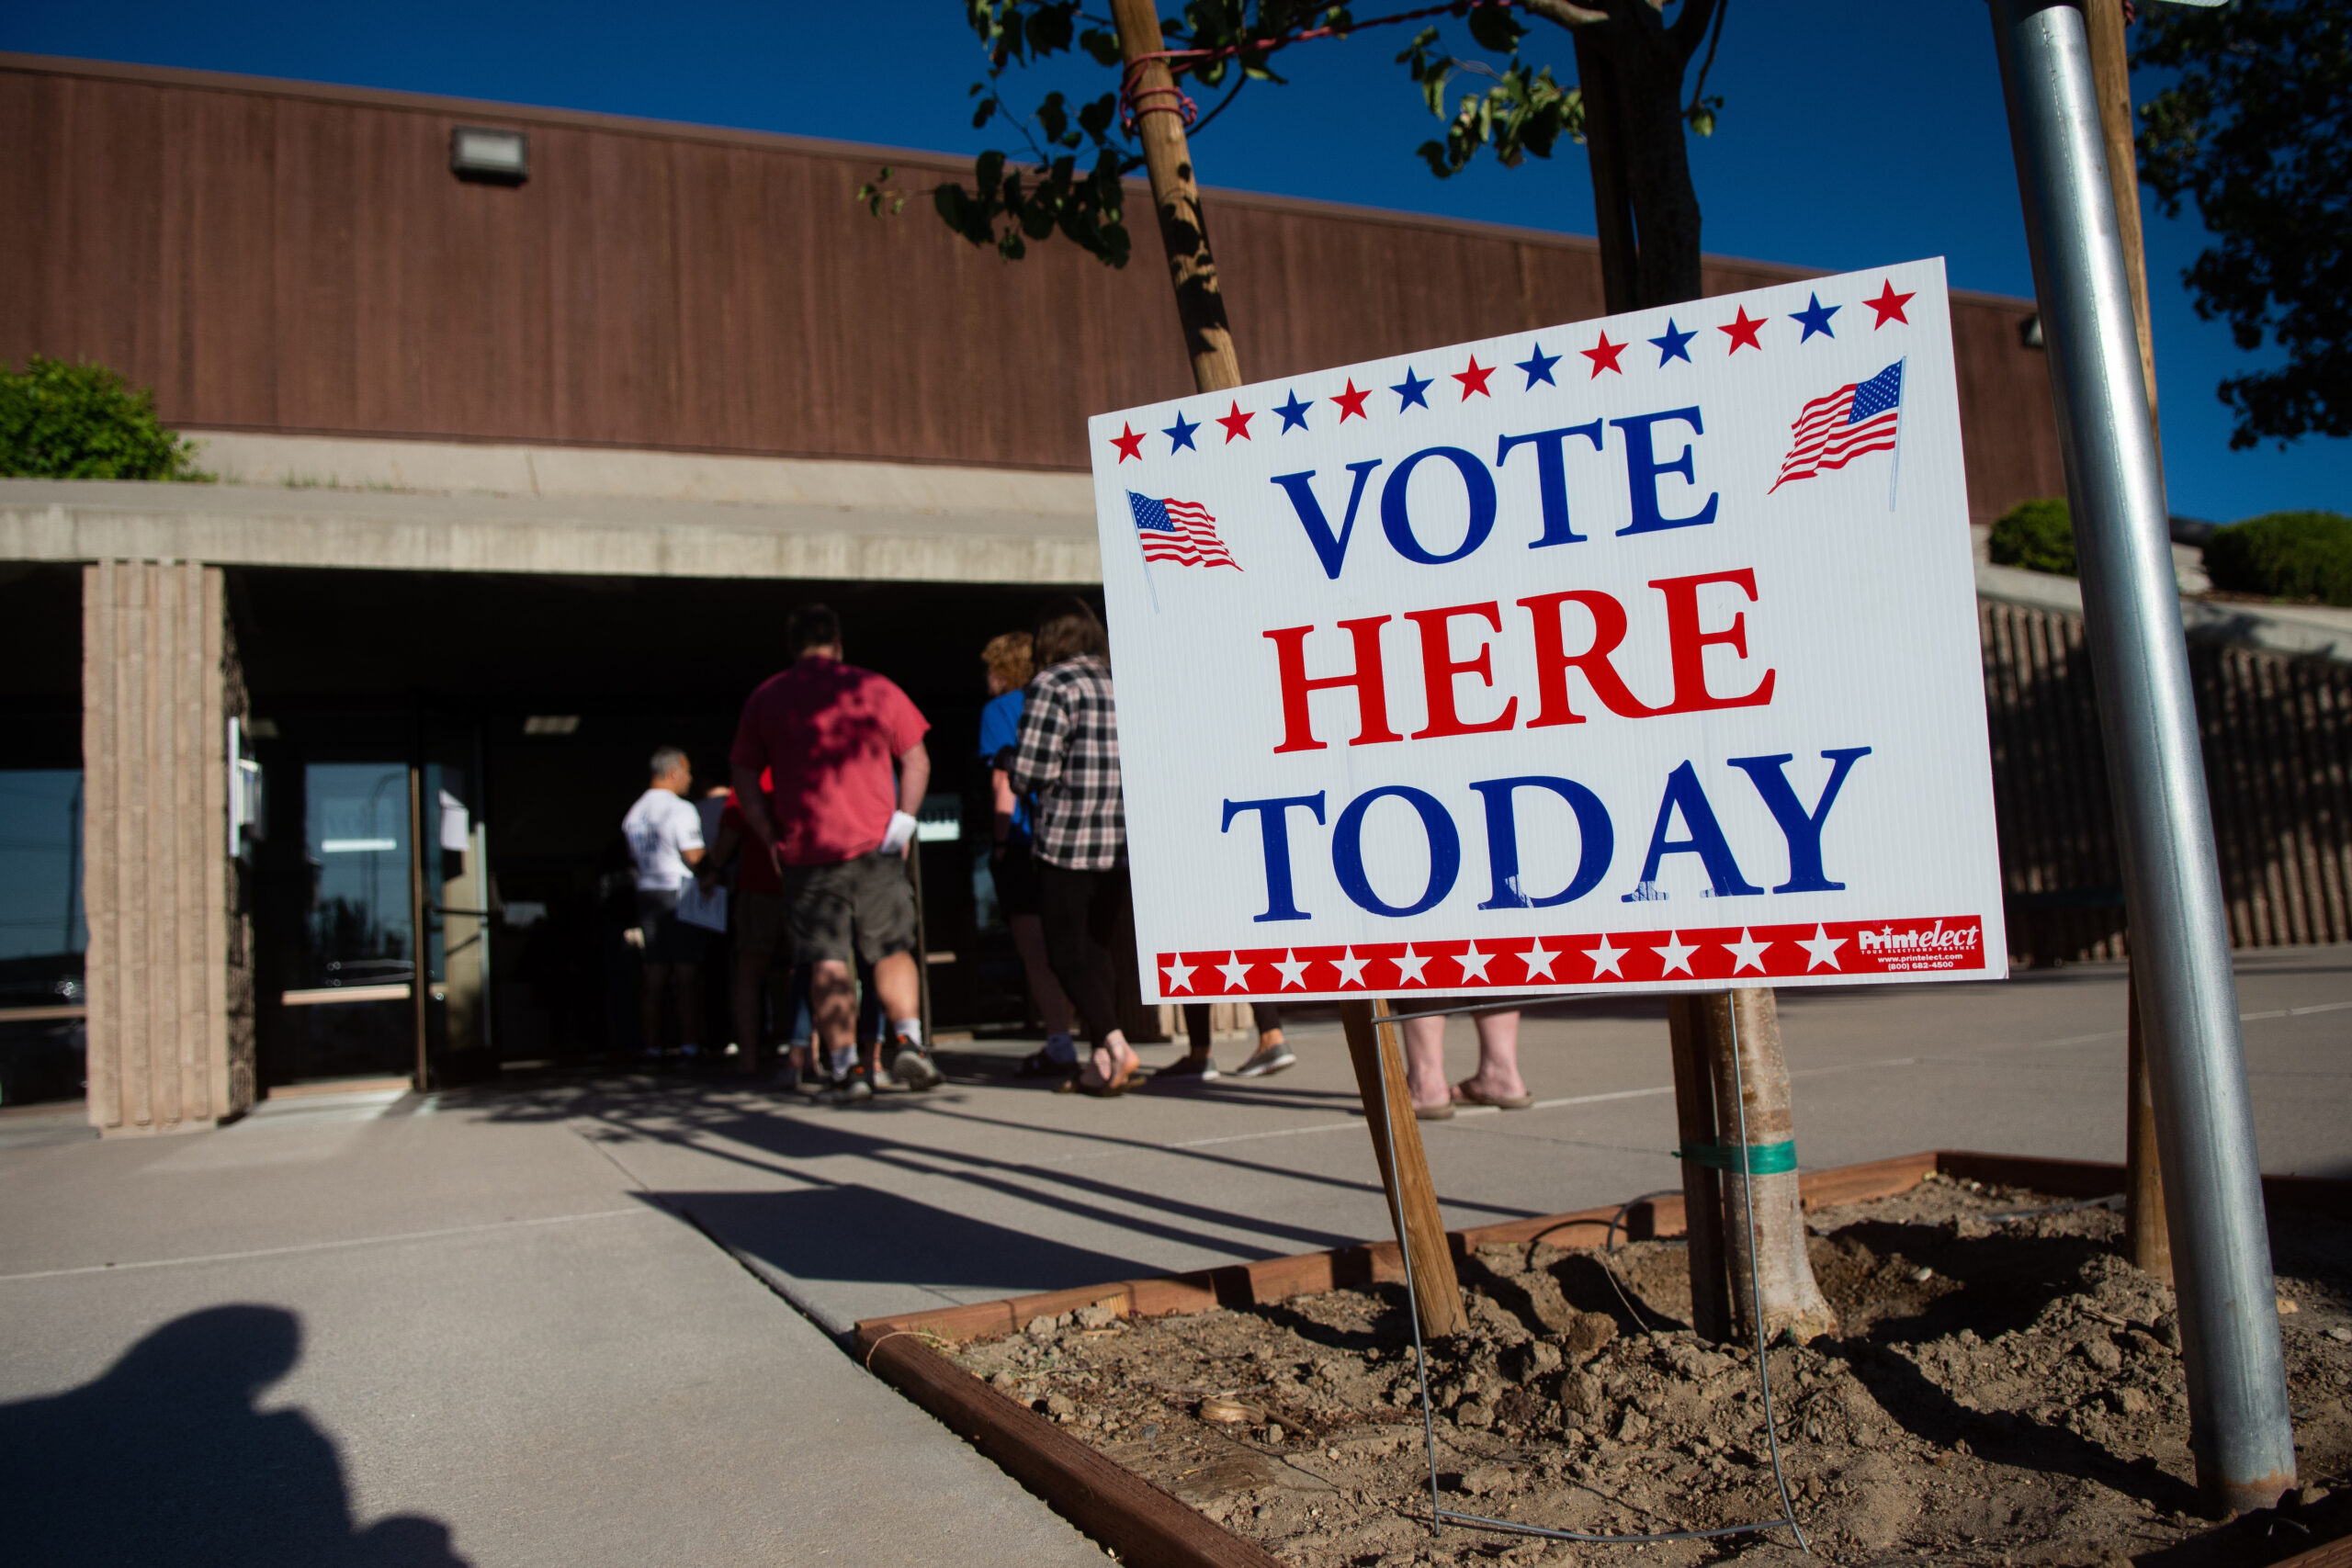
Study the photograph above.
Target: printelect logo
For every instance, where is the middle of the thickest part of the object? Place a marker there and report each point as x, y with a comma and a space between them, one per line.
1935, 939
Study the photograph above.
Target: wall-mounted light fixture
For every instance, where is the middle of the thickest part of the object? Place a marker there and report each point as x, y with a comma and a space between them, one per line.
497, 157
2030, 332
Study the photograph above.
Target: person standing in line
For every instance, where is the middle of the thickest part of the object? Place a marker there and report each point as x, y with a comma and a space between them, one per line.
1497, 1082
1271, 1056
1068, 757
1013, 864
758, 918
839, 826
664, 834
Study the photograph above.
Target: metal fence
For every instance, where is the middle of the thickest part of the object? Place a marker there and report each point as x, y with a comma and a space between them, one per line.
2278, 743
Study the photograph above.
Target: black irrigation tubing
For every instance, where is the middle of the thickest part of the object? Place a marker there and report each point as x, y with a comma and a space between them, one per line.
1440, 1516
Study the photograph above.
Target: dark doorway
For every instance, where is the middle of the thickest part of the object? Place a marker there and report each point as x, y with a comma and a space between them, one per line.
537, 700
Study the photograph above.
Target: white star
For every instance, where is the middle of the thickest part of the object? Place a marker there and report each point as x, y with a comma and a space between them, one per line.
1180, 976
1539, 962
1350, 967
1237, 974
1409, 966
1823, 947
1293, 969
1474, 963
1606, 958
1746, 953
1677, 953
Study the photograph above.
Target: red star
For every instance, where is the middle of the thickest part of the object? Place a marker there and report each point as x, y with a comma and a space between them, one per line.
1605, 357
1889, 306
1130, 443
1237, 425
1743, 331
1475, 379
1351, 402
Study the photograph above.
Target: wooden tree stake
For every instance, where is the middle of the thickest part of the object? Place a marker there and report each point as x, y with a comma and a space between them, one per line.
2146, 1236
1208, 341
1412, 1196
1200, 303
1702, 1187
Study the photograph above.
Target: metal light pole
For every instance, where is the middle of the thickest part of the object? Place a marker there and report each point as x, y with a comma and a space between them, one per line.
2239, 1426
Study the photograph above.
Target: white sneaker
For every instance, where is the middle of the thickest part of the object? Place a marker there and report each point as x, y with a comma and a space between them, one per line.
1269, 1060
913, 1068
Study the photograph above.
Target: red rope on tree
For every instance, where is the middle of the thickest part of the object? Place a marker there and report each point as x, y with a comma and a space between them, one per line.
1179, 60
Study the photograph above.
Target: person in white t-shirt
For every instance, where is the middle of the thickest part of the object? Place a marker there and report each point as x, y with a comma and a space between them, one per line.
664, 833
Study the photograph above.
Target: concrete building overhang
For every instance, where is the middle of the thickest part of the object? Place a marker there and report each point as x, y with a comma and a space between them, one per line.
715, 517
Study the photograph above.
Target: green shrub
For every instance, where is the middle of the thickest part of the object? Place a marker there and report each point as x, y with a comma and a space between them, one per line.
2285, 555
81, 422
2037, 536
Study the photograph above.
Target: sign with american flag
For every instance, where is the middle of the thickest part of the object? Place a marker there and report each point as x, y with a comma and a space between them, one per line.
1636, 654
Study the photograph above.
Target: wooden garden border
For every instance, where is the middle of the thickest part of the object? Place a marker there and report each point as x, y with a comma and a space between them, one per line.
1150, 1529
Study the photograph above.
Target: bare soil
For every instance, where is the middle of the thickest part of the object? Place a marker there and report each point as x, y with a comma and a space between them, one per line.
2005, 1389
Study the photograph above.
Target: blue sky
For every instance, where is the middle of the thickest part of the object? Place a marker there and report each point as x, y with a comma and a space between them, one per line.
1855, 133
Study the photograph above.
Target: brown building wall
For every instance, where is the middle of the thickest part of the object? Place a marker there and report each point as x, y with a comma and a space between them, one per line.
284, 257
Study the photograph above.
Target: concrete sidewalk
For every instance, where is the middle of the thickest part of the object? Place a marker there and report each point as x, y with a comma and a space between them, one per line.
494, 1336
990, 1185
513, 1338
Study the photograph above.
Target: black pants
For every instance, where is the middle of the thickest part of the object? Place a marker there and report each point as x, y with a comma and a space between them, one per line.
1265, 1015
1082, 912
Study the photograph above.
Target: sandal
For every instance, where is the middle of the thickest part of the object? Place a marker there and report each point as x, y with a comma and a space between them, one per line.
1115, 1088
1442, 1111
1463, 1094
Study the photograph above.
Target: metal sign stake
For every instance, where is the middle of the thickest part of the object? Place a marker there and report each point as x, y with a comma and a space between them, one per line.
2240, 1431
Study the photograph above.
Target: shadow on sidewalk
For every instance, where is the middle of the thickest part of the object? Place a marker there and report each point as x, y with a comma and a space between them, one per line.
165, 1458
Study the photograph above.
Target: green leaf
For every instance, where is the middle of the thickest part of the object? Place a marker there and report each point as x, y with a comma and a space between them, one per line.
1103, 46
1496, 29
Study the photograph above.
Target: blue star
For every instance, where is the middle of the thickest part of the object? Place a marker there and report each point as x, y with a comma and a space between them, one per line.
1413, 391
1674, 345
1180, 436
1293, 413
1538, 366
1815, 319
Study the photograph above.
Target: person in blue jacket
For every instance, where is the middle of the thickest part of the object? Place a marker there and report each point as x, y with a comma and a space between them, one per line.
1012, 866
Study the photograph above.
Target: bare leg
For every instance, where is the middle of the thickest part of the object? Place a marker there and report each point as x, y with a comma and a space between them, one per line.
833, 1007
895, 982
1425, 1061
1498, 1074
1029, 941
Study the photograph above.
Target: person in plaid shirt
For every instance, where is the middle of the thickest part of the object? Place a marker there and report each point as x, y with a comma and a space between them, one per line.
1068, 755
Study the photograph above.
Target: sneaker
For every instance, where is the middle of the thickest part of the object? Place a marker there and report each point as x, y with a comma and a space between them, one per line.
1199, 1067
806, 1085
1269, 1059
913, 1066
852, 1088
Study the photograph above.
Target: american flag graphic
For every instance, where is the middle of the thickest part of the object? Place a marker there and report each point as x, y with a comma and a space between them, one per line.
1179, 531
1832, 432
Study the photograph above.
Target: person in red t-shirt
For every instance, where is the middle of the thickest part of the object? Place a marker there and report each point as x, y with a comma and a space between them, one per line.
839, 826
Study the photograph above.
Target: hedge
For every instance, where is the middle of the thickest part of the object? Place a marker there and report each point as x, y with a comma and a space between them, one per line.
2037, 536
2285, 555
82, 421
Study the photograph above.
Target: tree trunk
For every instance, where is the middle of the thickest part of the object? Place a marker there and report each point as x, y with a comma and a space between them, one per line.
1604, 148
1774, 1282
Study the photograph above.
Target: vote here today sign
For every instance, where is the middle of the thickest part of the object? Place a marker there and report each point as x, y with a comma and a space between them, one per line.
1639, 653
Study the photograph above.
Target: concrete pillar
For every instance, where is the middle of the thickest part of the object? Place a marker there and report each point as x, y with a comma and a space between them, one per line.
168, 963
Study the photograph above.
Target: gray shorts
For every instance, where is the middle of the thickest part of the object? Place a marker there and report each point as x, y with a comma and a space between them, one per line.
862, 907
